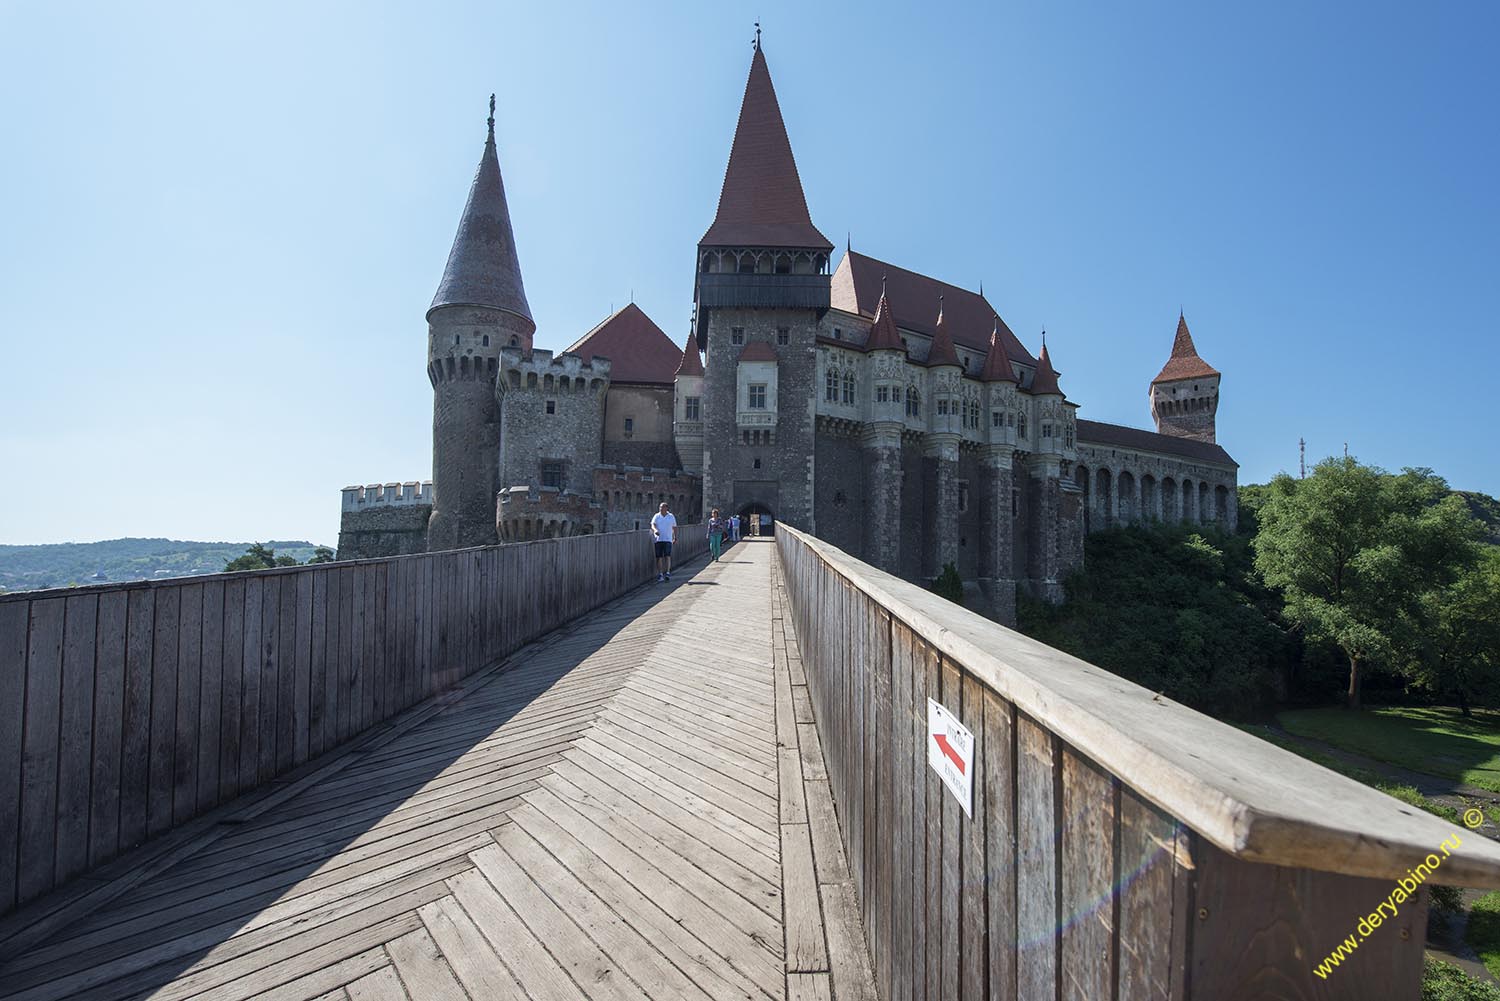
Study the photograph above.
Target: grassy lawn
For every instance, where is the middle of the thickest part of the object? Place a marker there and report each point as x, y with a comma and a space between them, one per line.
1484, 931
1438, 741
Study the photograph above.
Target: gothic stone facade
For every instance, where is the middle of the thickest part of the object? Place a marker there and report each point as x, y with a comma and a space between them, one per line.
890, 413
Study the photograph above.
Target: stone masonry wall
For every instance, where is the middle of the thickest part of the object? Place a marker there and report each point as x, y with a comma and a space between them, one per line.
399, 530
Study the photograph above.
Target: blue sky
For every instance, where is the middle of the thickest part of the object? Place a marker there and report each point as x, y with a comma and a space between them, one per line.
223, 223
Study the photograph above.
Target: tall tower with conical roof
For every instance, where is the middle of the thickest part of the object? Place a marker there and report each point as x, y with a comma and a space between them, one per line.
762, 286
1185, 394
480, 307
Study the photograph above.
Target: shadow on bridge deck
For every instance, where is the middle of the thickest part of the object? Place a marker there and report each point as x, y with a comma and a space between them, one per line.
600, 817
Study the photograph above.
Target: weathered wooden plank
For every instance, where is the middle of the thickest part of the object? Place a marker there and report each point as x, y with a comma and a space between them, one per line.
919, 654
900, 833
39, 765
1037, 920
76, 731
805, 951
998, 771
282, 648
1147, 911
539, 974
474, 962
317, 682
808, 987
974, 909
936, 795
14, 622
231, 689
378, 985
189, 670
793, 801
423, 970
334, 579
108, 719
349, 646
302, 661
211, 695
135, 739
1087, 869
1261, 931
252, 682
954, 838
164, 708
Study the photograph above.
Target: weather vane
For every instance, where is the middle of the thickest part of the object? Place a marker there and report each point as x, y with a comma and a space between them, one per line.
757, 36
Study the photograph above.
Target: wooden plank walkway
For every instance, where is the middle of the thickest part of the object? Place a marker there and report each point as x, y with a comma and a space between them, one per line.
635, 807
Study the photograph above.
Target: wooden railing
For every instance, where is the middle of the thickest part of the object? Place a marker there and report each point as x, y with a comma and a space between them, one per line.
127, 710
1121, 846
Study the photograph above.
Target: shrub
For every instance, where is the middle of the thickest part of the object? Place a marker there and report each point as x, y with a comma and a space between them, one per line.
949, 584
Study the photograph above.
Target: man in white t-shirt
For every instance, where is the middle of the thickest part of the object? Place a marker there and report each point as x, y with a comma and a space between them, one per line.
664, 531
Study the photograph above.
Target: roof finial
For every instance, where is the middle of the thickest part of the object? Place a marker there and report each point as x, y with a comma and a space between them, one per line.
1044, 338
757, 36
848, 241
882, 286
492, 118
981, 288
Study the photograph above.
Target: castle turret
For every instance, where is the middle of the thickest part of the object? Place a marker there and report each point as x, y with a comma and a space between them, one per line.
480, 307
940, 444
881, 439
762, 286
687, 407
997, 570
1185, 395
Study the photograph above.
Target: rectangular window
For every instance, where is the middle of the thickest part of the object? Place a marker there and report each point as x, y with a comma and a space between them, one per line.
691, 408
942, 408
963, 496
997, 419
838, 334
551, 406
1046, 430
757, 396
882, 394
552, 474
736, 335
849, 390
783, 335
629, 425
831, 387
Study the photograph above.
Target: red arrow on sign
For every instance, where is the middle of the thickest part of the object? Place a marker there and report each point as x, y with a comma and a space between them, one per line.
949, 751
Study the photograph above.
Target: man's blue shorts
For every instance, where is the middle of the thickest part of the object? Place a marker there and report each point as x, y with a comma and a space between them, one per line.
663, 549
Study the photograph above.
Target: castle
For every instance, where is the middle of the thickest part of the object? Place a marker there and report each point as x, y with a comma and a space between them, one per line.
890, 413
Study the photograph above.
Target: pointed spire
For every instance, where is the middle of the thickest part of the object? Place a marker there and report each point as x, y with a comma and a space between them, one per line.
997, 367
692, 364
883, 333
482, 268
761, 203
1184, 363
1045, 381
942, 352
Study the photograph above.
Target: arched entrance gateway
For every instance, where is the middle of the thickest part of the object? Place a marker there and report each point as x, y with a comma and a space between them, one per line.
756, 519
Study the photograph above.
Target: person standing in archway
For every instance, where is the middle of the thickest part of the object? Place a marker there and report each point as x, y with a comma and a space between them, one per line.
664, 531
715, 535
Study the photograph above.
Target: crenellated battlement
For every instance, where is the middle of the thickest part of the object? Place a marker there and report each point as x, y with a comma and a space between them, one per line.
528, 512
542, 370
384, 495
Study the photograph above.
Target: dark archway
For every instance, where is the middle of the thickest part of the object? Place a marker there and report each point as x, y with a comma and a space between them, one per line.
756, 519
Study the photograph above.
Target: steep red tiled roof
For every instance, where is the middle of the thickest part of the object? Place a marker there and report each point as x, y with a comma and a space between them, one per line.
914, 297
1184, 363
758, 351
1045, 380
1119, 436
761, 203
637, 349
883, 333
692, 364
997, 367
941, 352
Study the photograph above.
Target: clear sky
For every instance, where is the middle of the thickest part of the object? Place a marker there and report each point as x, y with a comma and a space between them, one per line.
222, 223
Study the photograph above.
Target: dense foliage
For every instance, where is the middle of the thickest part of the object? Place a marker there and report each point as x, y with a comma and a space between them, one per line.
262, 557
1175, 610
1357, 552
949, 584
61, 565
1445, 982
1351, 571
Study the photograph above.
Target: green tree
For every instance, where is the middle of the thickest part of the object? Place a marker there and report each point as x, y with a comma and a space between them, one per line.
257, 557
1460, 652
1354, 549
949, 584
322, 554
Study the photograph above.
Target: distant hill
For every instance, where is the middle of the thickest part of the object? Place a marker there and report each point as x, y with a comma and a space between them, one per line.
64, 564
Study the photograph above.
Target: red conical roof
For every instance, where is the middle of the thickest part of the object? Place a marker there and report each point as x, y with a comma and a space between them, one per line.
1045, 381
883, 334
638, 350
692, 364
942, 352
997, 367
761, 204
1184, 363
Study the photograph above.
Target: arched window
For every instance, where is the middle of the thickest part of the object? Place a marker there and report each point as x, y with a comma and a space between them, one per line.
849, 388
486, 340
514, 340
831, 386
1021, 426
913, 402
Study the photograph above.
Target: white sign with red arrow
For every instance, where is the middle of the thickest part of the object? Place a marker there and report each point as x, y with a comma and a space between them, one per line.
950, 752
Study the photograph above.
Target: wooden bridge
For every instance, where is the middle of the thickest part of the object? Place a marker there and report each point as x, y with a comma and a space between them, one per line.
514, 773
